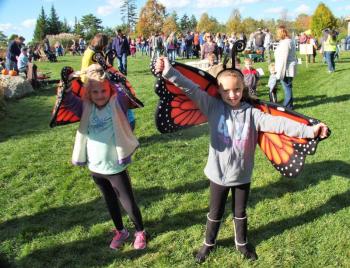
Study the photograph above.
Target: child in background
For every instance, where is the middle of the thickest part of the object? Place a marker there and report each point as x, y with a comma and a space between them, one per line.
212, 59
272, 83
251, 76
22, 62
234, 125
133, 48
105, 142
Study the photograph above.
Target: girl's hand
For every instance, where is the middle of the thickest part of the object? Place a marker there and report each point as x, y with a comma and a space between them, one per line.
320, 130
162, 64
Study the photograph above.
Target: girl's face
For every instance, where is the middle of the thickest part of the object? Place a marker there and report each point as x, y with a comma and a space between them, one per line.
100, 95
231, 90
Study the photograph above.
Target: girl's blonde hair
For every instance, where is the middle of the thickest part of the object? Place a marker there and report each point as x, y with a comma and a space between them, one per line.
96, 77
239, 76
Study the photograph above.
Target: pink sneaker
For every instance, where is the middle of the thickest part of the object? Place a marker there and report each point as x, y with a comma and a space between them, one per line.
119, 238
140, 240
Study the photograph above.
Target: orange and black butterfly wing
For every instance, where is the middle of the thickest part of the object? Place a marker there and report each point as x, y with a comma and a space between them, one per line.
175, 110
61, 115
286, 154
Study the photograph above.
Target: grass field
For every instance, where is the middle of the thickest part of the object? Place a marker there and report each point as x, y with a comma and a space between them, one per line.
52, 214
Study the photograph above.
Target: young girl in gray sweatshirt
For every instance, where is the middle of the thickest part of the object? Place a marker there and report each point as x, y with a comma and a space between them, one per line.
234, 125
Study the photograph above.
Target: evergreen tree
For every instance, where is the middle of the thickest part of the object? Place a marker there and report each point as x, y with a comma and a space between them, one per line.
322, 18
54, 24
3, 40
193, 22
41, 27
78, 28
65, 28
91, 25
128, 11
185, 24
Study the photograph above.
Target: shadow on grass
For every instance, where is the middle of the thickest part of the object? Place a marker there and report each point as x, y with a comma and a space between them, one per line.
25, 116
312, 174
92, 252
319, 100
56, 220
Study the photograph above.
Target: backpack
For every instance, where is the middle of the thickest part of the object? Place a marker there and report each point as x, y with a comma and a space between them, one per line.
159, 42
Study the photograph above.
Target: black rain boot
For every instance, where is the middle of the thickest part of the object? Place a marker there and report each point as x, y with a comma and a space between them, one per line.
241, 241
211, 233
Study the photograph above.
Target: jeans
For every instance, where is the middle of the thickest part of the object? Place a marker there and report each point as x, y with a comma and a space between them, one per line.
330, 60
171, 54
122, 63
11, 65
288, 92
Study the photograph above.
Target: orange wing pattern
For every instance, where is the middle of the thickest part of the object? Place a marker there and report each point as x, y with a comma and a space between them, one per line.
175, 110
286, 154
60, 114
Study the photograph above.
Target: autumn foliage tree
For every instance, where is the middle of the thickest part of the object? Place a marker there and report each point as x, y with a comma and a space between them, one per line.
208, 24
151, 18
170, 25
321, 19
302, 23
234, 23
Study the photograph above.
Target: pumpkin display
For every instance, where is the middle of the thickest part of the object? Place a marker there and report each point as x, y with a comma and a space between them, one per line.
12, 73
4, 71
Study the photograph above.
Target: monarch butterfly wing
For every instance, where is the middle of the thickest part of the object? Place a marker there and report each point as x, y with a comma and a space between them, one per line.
61, 115
175, 110
287, 154
115, 77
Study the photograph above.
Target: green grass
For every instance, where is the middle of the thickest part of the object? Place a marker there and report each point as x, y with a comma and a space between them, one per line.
52, 214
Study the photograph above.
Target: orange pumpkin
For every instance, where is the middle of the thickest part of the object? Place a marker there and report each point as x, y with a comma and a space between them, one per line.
12, 73
5, 71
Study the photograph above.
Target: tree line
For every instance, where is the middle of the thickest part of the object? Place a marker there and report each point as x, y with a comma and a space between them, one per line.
154, 18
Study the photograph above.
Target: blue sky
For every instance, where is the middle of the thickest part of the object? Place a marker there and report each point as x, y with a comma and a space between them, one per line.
19, 16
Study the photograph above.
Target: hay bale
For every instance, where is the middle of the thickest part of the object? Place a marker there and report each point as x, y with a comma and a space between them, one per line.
15, 87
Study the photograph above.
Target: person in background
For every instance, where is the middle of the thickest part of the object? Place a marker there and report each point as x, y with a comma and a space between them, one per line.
189, 43
285, 64
259, 39
171, 43
251, 76
267, 44
12, 53
22, 62
97, 44
209, 46
330, 48
272, 83
121, 46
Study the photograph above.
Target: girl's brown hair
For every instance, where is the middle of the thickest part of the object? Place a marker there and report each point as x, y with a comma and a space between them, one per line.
99, 42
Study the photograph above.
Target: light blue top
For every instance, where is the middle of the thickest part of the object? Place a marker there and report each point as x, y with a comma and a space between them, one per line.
22, 62
101, 145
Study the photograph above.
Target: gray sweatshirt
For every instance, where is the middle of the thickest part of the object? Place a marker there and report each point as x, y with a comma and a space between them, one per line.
233, 132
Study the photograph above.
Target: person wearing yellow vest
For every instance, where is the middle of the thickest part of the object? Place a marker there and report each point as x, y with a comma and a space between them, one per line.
97, 44
330, 47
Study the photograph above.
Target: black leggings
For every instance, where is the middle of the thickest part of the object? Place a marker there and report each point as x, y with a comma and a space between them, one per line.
218, 197
118, 186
